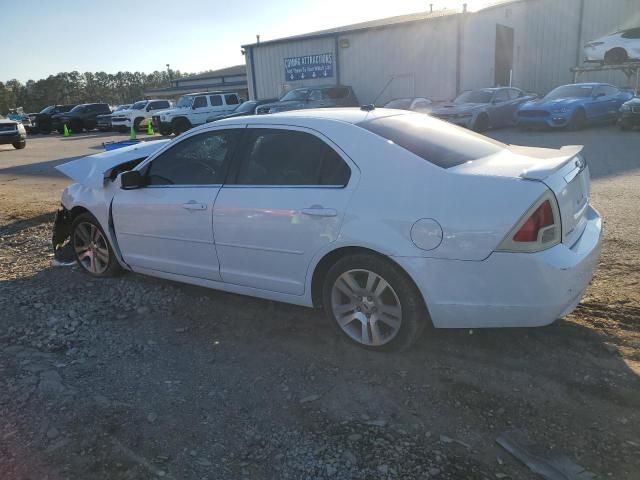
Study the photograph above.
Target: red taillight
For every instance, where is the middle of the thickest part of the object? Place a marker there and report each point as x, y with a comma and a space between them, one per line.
541, 218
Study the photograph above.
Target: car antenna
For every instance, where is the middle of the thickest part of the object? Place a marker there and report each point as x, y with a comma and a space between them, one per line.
368, 108
383, 89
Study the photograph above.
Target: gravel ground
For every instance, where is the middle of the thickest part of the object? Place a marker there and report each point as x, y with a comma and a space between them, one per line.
138, 378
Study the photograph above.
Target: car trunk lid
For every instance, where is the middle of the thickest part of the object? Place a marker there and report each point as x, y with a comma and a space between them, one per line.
563, 170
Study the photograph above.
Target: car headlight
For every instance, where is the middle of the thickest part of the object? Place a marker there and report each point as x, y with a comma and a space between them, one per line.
625, 108
560, 110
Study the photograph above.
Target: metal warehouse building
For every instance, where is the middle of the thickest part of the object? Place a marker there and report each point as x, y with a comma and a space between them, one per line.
531, 43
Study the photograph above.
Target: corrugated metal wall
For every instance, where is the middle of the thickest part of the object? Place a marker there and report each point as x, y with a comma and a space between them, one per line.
269, 64
548, 39
420, 57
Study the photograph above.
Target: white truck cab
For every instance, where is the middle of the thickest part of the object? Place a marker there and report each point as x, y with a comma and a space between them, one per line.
139, 114
194, 109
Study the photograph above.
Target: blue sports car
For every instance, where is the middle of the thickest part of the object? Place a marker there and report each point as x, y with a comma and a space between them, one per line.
574, 106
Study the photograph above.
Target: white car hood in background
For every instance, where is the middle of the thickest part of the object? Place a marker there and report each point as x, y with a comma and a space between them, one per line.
91, 171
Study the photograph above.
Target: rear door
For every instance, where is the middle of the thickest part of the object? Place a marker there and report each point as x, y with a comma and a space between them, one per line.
499, 110
285, 202
167, 225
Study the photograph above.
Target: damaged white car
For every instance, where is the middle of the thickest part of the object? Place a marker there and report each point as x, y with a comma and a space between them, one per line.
390, 220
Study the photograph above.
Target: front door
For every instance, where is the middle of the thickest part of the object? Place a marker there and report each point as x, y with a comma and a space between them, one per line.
200, 111
283, 204
167, 225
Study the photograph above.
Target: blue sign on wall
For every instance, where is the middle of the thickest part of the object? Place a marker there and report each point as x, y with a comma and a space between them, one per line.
308, 67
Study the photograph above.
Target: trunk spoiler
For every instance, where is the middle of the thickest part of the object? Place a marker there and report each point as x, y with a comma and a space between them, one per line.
552, 160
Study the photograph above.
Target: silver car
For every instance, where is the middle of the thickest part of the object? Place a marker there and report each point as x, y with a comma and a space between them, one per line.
484, 108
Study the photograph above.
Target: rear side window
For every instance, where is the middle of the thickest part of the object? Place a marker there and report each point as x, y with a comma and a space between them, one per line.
437, 142
216, 100
231, 99
288, 157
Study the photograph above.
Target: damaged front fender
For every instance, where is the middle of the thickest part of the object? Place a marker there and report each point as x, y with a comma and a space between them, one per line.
61, 235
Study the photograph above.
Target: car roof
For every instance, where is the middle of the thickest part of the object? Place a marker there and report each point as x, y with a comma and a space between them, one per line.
206, 93
352, 115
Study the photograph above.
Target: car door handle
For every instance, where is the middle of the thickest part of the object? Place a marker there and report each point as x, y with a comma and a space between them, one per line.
317, 211
193, 205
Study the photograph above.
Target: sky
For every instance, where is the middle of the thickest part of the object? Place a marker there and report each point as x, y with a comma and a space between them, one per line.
144, 35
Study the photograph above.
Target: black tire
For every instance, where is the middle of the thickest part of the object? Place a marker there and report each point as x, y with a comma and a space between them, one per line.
414, 316
616, 56
20, 145
180, 125
625, 126
481, 124
136, 123
578, 120
111, 265
76, 127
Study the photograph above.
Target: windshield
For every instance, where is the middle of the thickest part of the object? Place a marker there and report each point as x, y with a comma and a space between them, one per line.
570, 91
437, 142
48, 109
401, 103
78, 108
184, 102
139, 105
474, 96
295, 95
245, 107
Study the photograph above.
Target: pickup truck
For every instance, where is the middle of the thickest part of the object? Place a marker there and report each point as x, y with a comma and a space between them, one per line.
103, 122
81, 117
138, 115
194, 109
41, 122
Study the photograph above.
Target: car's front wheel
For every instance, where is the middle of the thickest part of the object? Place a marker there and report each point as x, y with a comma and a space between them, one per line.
91, 249
180, 125
373, 303
616, 56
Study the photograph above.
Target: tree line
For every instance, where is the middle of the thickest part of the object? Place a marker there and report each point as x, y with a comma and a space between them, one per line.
75, 87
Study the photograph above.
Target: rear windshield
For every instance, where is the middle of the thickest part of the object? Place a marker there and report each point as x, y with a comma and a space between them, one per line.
438, 142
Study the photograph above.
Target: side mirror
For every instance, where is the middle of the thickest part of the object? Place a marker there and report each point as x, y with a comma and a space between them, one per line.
148, 109
131, 180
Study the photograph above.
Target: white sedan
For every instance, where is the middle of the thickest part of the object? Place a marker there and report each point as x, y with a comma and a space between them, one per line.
614, 49
388, 219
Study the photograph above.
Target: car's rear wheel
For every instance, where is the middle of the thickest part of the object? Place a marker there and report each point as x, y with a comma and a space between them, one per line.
180, 125
482, 123
373, 303
91, 249
615, 56
20, 145
578, 120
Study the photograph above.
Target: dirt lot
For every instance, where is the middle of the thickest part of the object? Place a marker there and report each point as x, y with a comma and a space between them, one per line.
136, 378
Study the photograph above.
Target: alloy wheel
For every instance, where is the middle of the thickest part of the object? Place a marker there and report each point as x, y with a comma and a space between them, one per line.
91, 248
366, 307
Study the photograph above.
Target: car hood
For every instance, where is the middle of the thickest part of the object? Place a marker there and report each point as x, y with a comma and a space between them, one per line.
172, 111
92, 170
458, 108
553, 104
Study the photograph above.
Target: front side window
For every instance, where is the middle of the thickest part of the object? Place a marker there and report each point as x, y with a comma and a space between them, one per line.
184, 102
287, 157
514, 93
570, 91
315, 95
437, 142
295, 95
200, 102
199, 160
139, 105
78, 108
610, 91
